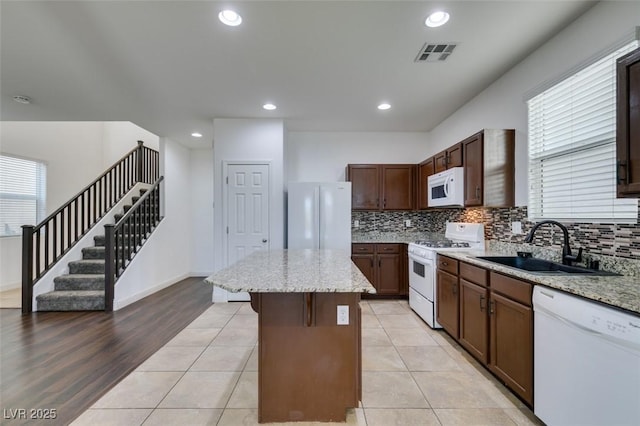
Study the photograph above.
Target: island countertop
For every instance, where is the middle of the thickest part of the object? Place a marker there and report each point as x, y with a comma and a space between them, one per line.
293, 271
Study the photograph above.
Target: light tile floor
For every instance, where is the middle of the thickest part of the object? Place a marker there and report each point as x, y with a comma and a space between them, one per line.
412, 375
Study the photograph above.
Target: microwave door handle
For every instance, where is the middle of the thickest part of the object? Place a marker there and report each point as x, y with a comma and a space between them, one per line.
446, 187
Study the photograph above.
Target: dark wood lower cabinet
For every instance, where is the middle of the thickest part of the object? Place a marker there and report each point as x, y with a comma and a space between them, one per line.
384, 265
512, 344
474, 321
492, 318
447, 308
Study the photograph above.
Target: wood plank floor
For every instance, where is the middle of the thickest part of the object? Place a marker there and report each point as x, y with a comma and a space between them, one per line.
67, 361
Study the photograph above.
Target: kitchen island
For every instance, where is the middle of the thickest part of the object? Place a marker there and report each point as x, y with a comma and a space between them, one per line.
309, 337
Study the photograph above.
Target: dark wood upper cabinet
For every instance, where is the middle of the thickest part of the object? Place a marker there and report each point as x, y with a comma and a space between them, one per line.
489, 171
382, 186
628, 125
450, 157
425, 169
365, 186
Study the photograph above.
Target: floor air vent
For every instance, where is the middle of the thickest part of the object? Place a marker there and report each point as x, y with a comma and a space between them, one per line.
435, 52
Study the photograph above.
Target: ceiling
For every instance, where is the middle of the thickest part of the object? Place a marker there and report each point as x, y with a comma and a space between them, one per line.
172, 67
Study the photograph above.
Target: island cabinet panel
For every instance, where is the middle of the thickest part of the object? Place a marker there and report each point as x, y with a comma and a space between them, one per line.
310, 367
628, 125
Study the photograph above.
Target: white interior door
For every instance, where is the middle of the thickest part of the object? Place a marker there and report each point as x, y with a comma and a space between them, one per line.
247, 213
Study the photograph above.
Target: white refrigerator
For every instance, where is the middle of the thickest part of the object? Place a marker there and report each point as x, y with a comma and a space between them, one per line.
319, 215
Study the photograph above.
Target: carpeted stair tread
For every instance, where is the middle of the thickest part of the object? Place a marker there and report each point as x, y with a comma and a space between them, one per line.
87, 266
96, 252
74, 300
79, 282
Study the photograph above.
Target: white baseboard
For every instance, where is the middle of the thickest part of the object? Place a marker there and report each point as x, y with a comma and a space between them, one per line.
200, 274
149, 291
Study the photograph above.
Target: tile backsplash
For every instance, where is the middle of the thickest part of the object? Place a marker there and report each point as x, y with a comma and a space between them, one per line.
600, 239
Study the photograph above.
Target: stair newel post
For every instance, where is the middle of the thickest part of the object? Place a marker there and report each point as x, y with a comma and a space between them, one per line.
109, 266
139, 162
27, 268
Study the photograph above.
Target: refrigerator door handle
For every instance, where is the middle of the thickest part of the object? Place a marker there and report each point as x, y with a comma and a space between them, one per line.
317, 238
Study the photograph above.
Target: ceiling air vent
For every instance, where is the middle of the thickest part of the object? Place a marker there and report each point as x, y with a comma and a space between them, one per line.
435, 52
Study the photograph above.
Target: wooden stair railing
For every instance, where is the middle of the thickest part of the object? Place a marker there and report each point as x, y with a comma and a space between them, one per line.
44, 245
125, 238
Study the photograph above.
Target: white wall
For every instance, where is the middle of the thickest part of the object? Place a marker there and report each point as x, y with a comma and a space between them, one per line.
502, 105
165, 258
249, 140
323, 156
201, 192
121, 137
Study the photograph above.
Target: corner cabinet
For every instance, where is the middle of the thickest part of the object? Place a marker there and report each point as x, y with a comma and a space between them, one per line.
489, 171
382, 186
384, 265
628, 125
491, 316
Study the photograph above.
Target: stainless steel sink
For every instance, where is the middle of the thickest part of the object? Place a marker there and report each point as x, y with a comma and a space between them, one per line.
533, 265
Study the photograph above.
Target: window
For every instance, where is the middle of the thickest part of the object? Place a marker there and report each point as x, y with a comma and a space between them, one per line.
22, 194
572, 153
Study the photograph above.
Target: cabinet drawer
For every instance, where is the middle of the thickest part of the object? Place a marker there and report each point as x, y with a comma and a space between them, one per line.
511, 287
362, 248
448, 264
388, 248
474, 274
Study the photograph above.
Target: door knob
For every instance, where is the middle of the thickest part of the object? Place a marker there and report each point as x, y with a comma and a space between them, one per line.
264, 240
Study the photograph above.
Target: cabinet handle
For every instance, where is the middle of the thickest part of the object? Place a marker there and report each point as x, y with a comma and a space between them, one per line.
444, 264
384, 203
481, 304
454, 289
371, 261
492, 306
377, 202
478, 192
379, 263
621, 178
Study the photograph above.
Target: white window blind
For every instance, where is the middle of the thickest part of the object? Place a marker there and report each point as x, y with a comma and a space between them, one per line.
22, 194
572, 153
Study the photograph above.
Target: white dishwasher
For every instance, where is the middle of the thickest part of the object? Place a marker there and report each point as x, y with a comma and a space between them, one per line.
586, 362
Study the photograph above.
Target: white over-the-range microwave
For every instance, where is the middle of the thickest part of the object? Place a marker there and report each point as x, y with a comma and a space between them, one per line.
446, 188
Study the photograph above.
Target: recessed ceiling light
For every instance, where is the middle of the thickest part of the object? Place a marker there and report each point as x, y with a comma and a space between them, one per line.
269, 107
437, 19
196, 134
22, 99
230, 17
384, 106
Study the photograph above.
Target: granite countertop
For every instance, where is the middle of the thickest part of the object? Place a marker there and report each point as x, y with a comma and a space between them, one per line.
293, 271
618, 291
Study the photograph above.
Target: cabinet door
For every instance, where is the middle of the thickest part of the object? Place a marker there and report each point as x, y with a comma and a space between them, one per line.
474, 321
511, 344
389, 274
628, 125
425, 169
398, 186
473, 170
365, 186
365, 262
455, 156
440, 161
447, 310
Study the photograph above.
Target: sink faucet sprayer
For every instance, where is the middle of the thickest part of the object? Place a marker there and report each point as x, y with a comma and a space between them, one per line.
567, 257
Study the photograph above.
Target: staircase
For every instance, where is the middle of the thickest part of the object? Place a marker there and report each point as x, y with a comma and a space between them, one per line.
83, 289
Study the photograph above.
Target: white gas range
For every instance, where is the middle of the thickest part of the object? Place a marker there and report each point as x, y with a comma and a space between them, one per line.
422, 265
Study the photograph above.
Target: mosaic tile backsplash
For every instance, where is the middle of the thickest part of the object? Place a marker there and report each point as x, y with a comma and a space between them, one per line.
599, 239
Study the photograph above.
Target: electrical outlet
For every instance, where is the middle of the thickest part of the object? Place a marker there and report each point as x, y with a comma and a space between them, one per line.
516, 227
407, 223
356, 223
343, 314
